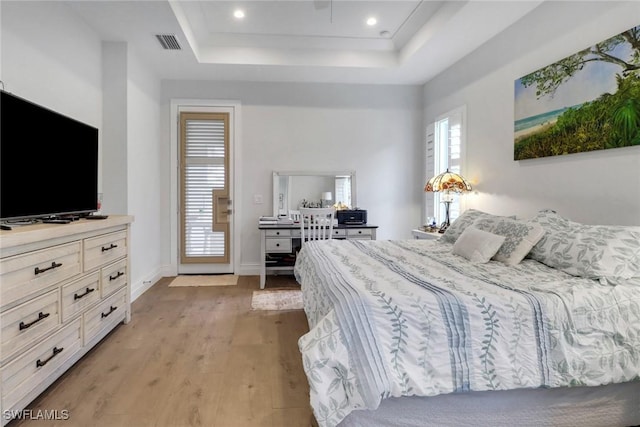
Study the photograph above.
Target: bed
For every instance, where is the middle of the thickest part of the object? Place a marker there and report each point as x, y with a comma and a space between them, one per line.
411, 333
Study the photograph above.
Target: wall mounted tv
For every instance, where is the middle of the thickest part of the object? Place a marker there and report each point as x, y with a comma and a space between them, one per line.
48, 162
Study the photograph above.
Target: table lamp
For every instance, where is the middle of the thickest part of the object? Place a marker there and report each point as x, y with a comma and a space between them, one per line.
447, 183
326, 198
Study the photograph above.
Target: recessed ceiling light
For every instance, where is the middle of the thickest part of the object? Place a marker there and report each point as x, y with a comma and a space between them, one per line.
372, 21
238, 13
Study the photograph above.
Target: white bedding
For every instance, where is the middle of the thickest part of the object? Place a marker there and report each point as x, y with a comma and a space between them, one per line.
408, 318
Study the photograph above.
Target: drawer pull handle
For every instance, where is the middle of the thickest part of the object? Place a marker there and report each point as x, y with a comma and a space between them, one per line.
111, 310
56, 351
277, 244
54, 264
111, 246
87, 292
41, 316
120, 273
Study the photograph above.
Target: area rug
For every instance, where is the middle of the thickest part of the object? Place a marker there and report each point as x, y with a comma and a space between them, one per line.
204, 280
277, 299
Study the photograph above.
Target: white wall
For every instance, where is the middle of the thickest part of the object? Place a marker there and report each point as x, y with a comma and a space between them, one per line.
578, 185
374, 130
51, 57
131, 156
144, 189
114, 131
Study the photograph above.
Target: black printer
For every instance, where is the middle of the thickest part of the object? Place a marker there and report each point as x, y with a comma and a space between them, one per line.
352, 216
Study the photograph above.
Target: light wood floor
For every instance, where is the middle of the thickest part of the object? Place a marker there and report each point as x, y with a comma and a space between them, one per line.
195, 356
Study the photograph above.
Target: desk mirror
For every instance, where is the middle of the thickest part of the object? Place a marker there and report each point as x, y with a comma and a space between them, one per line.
294, 190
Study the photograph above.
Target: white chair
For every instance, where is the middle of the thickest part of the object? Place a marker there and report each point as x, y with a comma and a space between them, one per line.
295, 216
316, 224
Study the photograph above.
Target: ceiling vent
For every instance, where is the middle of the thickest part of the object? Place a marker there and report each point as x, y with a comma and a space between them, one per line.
168, 41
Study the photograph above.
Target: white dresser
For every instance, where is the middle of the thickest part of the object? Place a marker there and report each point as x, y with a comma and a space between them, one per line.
63, 287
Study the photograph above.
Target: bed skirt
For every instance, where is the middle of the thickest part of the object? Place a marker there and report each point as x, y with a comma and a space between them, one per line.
611, 405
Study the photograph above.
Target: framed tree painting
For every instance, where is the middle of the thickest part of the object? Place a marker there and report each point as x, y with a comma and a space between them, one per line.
587, 101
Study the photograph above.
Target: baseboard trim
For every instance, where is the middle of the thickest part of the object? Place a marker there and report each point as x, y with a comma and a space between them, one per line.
143, 286
249, 270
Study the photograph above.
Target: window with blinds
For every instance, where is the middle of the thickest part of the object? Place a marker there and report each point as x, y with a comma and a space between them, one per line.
204, 166
343, 190
444, 142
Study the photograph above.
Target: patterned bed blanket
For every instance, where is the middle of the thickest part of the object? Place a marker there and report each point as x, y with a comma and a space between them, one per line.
408, 318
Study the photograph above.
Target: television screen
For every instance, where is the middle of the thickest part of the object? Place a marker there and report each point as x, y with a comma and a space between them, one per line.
48, 162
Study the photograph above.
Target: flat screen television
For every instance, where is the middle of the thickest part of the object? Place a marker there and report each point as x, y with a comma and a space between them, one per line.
48, 162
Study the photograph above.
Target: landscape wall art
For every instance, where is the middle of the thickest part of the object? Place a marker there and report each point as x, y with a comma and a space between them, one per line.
587, 101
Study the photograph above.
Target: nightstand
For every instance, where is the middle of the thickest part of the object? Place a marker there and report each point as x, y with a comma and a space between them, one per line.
421, 234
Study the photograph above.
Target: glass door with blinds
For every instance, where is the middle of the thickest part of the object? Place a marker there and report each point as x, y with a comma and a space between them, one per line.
205, 196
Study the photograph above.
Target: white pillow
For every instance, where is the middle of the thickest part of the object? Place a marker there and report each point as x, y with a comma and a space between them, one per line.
520, 237
476, 245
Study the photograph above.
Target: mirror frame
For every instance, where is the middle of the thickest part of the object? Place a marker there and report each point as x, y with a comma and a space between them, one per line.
278, 174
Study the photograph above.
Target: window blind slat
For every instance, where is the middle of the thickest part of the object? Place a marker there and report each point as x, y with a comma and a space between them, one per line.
430, 169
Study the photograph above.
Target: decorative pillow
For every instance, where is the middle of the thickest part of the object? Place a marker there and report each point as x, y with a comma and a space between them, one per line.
520, 237
476, 245
456, 228
608, 253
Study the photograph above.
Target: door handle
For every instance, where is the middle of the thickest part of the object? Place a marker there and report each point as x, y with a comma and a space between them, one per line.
221, 211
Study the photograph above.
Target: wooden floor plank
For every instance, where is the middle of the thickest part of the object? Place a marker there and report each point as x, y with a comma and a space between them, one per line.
291, 417
289, 390
246, 400
194, 356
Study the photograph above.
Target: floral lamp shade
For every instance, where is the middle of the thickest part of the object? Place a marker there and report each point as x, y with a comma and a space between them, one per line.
448, 182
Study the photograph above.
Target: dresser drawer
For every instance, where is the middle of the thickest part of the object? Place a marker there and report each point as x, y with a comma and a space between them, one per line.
78, 295
101, 250
27, 371
278, 245
339, 233
278, 233
114, 277
25, 275
24, 324
104, 315
359, 233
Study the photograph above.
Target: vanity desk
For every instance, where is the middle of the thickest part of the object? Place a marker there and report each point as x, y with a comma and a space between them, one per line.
279, 244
